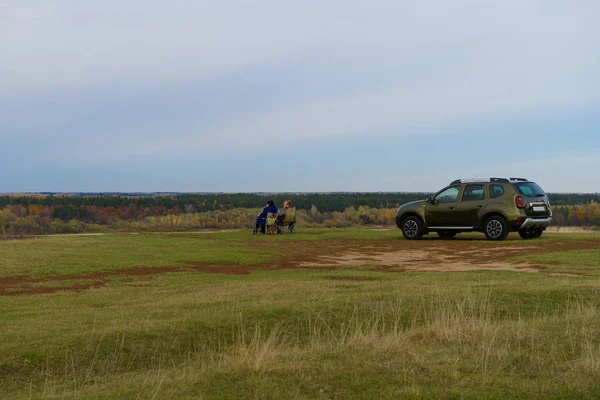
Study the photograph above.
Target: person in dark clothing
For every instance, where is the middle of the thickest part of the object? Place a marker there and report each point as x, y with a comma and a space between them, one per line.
261, 220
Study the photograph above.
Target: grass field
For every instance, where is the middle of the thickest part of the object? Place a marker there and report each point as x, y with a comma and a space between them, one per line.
320, 314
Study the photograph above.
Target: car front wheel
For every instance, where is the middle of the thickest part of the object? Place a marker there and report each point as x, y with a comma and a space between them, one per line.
412, 228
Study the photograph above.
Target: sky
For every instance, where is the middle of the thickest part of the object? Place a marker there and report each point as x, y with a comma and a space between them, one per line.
246, 96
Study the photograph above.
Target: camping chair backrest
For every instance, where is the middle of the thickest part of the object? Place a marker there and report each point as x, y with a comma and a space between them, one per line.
271, 218
271, 227
290, 216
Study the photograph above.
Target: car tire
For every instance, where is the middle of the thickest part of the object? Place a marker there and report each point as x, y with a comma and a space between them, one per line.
446, 234
526, 233
412, 228
495, 228
537, 233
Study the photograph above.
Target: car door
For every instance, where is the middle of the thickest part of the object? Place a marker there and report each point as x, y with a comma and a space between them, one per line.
439, 212
472, 201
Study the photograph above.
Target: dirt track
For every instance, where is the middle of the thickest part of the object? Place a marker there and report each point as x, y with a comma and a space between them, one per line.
387, 256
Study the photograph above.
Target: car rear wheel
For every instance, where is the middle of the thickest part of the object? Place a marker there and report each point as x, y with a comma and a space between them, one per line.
446, 234
495, 228
526, 233
412, 228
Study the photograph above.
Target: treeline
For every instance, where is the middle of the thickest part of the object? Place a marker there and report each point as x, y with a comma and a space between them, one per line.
245, 218
17, 221
13, 225
579, 215
47, 214
107, 209
216, 201
572, 199
110, 208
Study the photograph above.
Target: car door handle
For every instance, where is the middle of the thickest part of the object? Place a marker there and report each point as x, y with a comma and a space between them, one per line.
452, 208
479, 206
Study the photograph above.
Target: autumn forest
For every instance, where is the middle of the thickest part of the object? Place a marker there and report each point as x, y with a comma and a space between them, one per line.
38, 214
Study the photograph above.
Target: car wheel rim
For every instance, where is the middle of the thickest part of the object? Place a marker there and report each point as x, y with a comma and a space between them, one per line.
411, 228
494, 228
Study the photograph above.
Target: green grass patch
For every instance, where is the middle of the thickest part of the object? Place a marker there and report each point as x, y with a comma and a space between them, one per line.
577, 262
59, 255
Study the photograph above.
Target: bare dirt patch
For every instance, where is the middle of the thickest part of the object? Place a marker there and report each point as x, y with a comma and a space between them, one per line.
419, 260
393, 255
433, 255
400, 255
24, 285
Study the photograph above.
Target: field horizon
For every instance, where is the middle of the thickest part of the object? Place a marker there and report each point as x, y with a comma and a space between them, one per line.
259, 193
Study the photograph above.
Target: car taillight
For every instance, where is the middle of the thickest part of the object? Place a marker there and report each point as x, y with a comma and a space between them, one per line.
519, 202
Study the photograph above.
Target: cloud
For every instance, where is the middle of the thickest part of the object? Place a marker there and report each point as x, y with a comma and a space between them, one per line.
77, 43
145, 80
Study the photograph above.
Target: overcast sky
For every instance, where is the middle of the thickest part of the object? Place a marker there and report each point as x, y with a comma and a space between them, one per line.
192, 95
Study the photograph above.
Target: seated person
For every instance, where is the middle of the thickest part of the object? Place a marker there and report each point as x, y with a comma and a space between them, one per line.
261, 220
281, 216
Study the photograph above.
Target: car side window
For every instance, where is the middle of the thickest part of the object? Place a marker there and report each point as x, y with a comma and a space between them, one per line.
496, 191
473, 192
448, 196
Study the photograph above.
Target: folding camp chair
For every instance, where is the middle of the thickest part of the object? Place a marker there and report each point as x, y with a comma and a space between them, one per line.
287, 224
271, 227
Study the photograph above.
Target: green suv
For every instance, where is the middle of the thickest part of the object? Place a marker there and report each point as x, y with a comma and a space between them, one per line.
495, 207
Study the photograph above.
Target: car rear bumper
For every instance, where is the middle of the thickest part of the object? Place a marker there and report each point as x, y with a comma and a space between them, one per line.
533, 223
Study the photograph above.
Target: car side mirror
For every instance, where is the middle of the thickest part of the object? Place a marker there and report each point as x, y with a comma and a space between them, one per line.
429, 200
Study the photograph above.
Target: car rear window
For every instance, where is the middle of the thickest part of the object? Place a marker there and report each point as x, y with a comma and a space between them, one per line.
496, 191
473, 192
529, 189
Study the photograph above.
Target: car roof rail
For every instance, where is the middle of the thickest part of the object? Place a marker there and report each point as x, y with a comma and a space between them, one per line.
519, 179
503, 180
455, 182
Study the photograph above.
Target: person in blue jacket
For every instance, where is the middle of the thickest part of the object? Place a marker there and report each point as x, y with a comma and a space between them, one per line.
261, 220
